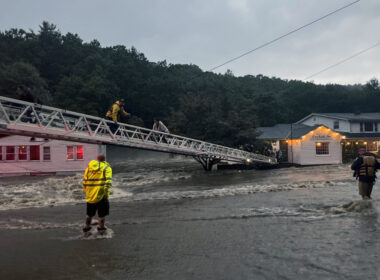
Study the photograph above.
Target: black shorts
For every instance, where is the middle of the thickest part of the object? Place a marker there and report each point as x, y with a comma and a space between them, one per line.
103, 208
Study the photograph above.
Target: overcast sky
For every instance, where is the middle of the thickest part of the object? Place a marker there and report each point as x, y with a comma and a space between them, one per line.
210, 32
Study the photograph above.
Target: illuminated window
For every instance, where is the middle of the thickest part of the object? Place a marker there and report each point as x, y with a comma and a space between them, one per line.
22, 153
10, 153
79, 152
70, 152
372, 146
46, 153
34, 152
322, 148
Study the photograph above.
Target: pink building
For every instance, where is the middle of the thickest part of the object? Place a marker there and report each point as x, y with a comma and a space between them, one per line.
20, 155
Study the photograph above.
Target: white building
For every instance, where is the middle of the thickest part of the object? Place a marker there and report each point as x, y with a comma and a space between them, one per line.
322, 138
20, 155
305, 145
361, 129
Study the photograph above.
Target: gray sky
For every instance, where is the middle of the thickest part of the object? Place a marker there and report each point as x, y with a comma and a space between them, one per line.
210, 32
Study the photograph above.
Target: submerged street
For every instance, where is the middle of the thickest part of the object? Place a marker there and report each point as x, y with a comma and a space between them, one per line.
171, 220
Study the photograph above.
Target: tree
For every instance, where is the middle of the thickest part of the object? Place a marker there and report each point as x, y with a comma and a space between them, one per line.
23, 75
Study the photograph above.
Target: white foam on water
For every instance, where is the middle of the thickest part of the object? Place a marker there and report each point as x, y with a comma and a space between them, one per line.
51, 191
93, 235
230, 191
21, 224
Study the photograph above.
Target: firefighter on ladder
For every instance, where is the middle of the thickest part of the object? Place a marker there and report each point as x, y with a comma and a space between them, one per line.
114, 113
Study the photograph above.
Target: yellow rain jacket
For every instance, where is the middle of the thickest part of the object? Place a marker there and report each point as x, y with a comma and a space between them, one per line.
115, 110
97, 181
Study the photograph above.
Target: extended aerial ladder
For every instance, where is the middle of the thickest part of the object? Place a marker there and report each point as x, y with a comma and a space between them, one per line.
35, 120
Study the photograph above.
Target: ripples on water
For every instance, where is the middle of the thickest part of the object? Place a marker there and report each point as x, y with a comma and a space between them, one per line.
182, 178
170, 179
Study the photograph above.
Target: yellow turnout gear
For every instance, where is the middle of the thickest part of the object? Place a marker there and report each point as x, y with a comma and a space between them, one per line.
368, 166
115, 110
97, 181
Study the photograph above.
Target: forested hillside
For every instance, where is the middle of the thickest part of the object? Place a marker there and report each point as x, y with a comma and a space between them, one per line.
61, 70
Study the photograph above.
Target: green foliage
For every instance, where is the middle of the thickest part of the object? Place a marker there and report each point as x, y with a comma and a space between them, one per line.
61, 70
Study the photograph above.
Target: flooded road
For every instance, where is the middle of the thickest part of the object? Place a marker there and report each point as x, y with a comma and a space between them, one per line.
171, 220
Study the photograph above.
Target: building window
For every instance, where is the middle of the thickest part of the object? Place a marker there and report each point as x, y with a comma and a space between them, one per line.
70, 153
79, 152
46, 154
34, 152
372, 146
375, 126
22, 153
368, 126
75, 153
322, 148
10, 153
336, 124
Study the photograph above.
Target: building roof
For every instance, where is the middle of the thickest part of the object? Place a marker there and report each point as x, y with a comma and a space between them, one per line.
285, 131
346, 116
366, 135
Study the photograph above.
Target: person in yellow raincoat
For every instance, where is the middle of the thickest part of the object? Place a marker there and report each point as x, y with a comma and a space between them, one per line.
114, 113
97, 182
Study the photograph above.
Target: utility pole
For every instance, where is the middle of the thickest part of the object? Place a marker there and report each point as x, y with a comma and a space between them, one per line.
291, 142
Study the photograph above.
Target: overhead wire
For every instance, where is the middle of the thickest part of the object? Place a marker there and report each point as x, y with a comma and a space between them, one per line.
342, 61
284, 35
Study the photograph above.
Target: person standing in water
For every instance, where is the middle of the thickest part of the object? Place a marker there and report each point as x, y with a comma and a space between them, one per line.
365, 167
97, 183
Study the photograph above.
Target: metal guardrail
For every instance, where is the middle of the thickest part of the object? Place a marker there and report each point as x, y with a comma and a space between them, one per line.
30, 119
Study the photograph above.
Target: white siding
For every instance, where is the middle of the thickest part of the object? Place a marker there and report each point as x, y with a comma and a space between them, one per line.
344, 126
304, 150
309, 156
355, 128
57, 163
294, 152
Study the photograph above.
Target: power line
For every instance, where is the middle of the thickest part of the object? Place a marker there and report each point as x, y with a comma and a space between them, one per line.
282, 36
342, 61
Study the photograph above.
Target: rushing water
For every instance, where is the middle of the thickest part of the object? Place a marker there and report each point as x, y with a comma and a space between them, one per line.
172, 220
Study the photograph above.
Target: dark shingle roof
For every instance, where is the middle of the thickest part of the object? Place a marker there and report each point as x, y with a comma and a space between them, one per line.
347, 116
285, 131
365, 135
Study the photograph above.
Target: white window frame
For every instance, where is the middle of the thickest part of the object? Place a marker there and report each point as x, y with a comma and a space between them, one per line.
39, 153
336, 124
75, 154
14, 153
322, 143
43, 153
18, 152
67, 153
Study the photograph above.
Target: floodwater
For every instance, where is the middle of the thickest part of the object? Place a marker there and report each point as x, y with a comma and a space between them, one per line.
172, 220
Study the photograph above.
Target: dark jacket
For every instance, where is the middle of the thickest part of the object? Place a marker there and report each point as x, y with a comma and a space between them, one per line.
361, 170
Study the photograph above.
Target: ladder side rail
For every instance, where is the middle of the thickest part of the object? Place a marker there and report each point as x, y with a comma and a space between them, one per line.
7, 119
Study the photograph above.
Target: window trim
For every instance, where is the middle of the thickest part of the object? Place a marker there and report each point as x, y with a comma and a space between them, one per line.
18, 152
75, 152
336, 124
322, 143
67, 152
365, 126
14, 153
39, 153
43, 153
